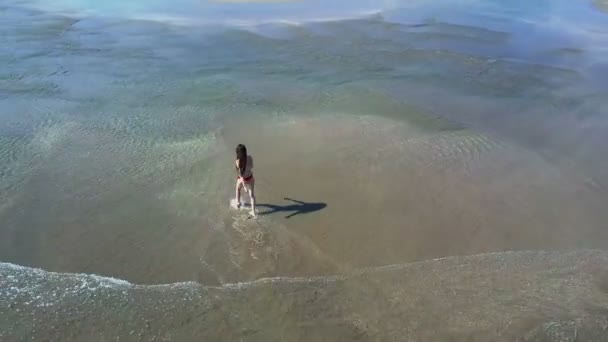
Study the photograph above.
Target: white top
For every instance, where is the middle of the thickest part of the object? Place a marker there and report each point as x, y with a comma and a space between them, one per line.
248, 167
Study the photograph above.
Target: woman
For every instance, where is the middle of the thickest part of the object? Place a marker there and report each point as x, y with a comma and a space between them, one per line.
244, 165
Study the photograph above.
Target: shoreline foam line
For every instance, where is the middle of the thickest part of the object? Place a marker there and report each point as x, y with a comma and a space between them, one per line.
4, 266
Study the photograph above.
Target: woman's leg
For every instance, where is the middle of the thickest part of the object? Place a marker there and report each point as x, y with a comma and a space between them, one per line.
252, 196
239, 184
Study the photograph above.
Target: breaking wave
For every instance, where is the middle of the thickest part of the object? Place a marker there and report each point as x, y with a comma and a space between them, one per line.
549, 296
228, 12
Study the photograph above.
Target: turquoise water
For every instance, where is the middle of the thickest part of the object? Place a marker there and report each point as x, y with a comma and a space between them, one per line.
412, 131
218, 12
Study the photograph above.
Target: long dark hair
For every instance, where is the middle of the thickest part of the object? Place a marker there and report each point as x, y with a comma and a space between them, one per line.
241, 156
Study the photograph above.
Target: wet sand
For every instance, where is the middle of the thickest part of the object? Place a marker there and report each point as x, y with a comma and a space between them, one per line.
399, 192
377, 191
336, 192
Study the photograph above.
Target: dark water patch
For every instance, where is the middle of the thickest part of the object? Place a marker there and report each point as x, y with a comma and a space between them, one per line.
440, 35
46, 29
601, 5
44, 89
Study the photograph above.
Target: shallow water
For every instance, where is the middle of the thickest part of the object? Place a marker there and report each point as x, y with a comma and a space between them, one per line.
383, 133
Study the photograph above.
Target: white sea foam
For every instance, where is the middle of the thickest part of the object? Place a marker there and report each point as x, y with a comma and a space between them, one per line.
231, 13
12, 273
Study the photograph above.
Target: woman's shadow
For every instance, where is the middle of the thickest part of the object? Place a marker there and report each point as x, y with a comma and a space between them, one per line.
298, 207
